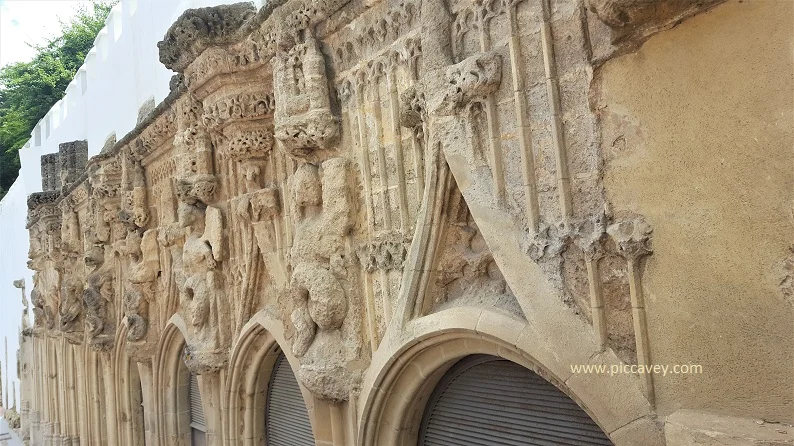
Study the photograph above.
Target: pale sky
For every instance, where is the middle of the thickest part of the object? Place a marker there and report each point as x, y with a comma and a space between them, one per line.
31, 21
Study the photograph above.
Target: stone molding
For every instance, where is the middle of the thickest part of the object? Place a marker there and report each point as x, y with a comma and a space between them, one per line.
350, 183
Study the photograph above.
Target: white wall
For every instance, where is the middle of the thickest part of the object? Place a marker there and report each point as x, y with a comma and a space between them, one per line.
120, 73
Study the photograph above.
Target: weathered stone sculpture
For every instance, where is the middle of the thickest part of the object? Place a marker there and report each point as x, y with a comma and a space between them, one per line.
374, 190
25, 322
199, 291
303, 118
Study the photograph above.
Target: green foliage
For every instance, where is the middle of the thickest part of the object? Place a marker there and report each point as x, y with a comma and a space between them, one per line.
29, 89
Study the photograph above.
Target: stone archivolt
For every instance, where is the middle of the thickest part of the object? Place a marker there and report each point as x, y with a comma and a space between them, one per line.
338, 178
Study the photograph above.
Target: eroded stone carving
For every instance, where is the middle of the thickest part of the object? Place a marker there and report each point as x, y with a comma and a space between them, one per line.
25, 324
98, 297
324, 236
323, 340
627, 17
142, 274
199, 28
384, 255
473, 78
632, 237
304, 123
199, 288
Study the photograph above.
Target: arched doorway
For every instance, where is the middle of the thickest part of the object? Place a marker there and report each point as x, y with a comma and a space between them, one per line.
260, 378
486, 400
286, 418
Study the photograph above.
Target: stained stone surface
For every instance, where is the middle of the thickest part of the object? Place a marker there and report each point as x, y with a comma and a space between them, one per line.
377, 189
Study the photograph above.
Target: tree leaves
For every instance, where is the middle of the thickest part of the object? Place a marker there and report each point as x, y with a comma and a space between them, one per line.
29, 89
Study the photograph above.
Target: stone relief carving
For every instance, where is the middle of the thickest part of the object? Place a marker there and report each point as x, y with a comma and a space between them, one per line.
473, 78
98, 297
142, 275
326, 336
324, 223
70, 310
199, 28
25, 322
304, 123
637, 17
199, 286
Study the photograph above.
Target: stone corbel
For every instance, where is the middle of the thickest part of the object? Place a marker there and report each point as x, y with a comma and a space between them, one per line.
640, 18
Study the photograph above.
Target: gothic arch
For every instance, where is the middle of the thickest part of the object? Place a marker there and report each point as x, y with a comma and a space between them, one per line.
129, 393
404, 373
252, 360
172, 379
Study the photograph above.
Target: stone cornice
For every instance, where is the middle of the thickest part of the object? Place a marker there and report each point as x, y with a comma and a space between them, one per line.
198, 29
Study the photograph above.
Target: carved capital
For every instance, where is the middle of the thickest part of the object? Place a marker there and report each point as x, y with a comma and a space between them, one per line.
470, 80
632, 237
548, 243
413, 110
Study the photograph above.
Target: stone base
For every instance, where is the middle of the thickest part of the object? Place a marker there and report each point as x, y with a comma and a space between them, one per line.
689, 427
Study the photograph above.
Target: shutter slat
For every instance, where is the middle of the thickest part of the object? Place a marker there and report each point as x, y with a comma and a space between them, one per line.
287, 418
196, 409
497, 402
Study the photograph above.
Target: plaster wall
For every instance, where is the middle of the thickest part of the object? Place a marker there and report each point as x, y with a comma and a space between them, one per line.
697, 137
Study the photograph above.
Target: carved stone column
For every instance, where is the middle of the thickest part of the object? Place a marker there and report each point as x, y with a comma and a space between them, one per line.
633, 240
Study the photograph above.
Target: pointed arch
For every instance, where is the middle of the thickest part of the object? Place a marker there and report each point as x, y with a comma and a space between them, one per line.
404, 374
129, 394
251, 364
172, 379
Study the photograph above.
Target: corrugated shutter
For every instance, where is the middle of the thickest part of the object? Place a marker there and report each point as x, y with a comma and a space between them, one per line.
196, 409
488, 401
287, 418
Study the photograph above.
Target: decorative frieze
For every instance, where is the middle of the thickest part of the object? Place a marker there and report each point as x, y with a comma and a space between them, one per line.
303, 166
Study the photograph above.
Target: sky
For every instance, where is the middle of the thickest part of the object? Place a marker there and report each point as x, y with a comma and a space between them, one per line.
31, 21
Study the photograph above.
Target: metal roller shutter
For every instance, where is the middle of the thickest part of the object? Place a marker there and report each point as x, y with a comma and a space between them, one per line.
287, 419
196, 409
488, 401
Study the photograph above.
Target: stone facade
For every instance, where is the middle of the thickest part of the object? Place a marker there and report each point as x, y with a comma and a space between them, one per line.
379, 189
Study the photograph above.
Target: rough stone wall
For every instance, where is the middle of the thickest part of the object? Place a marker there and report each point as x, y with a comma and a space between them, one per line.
344, 181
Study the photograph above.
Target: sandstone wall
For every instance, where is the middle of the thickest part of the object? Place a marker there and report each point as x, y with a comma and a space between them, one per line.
379, 189
697, 137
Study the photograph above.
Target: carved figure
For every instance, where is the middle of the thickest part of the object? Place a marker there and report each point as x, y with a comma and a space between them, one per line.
98, 297
322, 221
303, 119
141, 276
198, 280
70, 308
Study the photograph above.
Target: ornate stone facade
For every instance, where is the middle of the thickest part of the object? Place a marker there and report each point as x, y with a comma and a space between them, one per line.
351, 183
